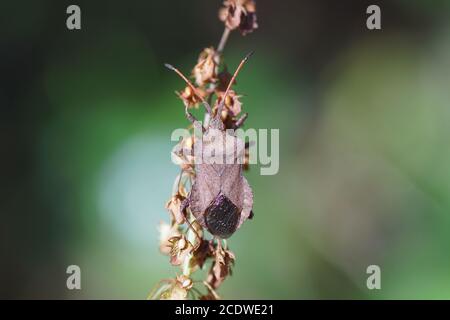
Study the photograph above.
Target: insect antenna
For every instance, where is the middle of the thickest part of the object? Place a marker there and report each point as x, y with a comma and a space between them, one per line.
222, 102
206, 104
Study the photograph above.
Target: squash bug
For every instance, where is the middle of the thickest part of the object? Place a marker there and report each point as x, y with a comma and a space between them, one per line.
221, 198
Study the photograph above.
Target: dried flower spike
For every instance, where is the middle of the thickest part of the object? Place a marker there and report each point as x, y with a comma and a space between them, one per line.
190, 98
184, 238
179, 250
239, 14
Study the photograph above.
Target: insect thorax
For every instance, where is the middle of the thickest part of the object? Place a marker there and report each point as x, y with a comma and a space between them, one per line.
219, 147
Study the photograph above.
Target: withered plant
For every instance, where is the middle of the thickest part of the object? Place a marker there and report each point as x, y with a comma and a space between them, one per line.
184, 239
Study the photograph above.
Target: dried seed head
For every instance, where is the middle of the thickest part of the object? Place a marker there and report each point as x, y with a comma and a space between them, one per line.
204, 251
230, 15
189, 97
179, 250
248, 20
224, 260
184, 155
166, 232
185, 282
233, 105
187, 147
174, 208
224, 79
239, 14
206, 69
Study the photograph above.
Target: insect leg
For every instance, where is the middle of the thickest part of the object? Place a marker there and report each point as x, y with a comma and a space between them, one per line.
183, 209
205, 104
193, 119
219, 243
189, 115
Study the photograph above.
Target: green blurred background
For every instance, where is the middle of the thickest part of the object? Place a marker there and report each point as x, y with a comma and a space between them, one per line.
364, 123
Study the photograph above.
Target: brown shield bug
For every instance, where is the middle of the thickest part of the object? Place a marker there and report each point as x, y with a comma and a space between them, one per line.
221, 198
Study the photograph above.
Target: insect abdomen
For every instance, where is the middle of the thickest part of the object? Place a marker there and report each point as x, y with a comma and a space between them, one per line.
222, 216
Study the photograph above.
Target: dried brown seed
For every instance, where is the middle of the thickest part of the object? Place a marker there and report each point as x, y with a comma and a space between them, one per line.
183, 155
249, 19
167, 232
174, 207
179, 250
224, 79
239, 14
204, 252
232, 103
189, 97
224, 260
206, 69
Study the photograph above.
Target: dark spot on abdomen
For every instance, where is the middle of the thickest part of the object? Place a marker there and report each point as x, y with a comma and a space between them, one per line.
222, 217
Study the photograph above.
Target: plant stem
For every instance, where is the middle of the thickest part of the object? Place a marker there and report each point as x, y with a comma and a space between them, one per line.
223, 40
